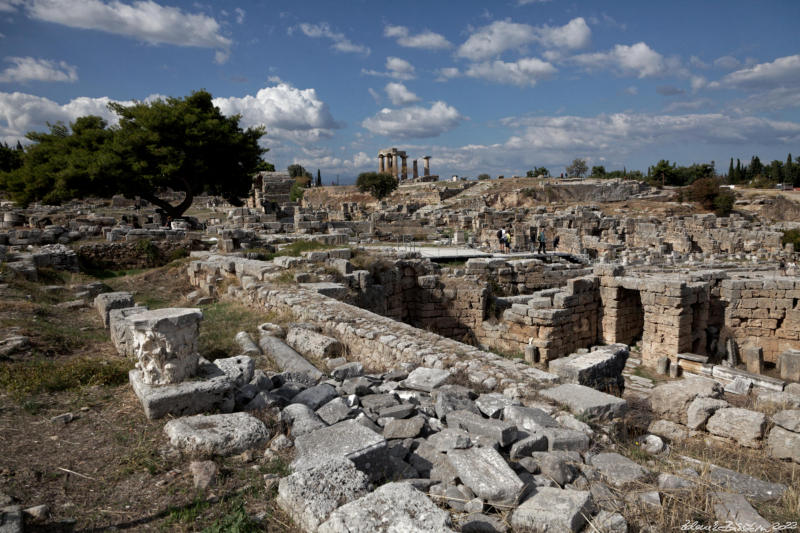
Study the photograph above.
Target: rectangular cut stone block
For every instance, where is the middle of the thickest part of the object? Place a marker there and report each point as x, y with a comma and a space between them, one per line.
425, 379
784, 444
598, 368
223, 435
107, 301
121, 330
486, 472
587, 401
744, 426
348, 439
789, 362
165, 343
502, 432
552, 509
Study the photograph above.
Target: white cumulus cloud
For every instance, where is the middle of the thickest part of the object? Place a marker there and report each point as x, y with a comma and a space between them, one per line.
340, 42
637, 59
783, 71
143, 20
503, 35
26, 69
396, 68
399, 94
526, 71
414, 121
426, 39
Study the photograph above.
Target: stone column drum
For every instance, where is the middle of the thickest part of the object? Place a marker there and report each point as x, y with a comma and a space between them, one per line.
165, 343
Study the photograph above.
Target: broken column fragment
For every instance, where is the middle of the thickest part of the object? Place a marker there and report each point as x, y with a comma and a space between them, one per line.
165, 343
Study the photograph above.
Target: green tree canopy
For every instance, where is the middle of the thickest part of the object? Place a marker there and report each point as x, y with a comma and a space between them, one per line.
598, 171
535, 172
184, 144
484, 176
577, 169
10, 158
379, 185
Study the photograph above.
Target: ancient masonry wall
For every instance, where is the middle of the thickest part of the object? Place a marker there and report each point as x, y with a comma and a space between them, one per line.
763, 313
378, 342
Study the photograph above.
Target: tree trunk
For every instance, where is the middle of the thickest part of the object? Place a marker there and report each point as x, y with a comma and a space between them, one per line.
173, 211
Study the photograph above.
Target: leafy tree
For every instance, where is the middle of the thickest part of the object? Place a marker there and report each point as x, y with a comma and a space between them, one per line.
296, 192
664, 174
538, 171
183, 144
265, 166
378, 184
598, 171
66, 162
723, 203
577, 169
483, 177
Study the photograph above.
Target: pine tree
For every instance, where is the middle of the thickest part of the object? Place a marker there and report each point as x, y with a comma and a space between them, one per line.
739, 175
319, 179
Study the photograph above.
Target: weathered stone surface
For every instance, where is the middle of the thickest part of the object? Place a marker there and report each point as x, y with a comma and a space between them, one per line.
348, 370
481, 523
303, 419
752, 488
312, 344
165, 343
784, 399
745, 426
671, 431
393, 507
204, 474
783, 444
403, 428
238, 369
11, 519
559, 466
226, 434
788, 419
121, 331
493, 404
286, 358
617, 468
348, 439
107, 301
609, 522
598, 368
214, 393
486, 472
565, 439
671, 401
529, 419
701, 409
552, 509
735, 509
336, 410
502, 432
317, 396
528, 445
450, 439
446, 401
672, 482
587, 401
425, 379
789, 363
310, 496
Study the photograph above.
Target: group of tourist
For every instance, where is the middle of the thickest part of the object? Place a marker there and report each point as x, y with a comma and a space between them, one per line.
504, 239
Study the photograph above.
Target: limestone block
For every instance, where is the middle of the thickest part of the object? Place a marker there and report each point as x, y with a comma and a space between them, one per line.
500, 431
492, 404
225, 434
286, 358
247, 344
596, 369
316, 396
586, 401
392, 507
487, 474
701, 409
312, 344
789, 363
753, 358
238, 369
735, 509
302, 419
617, 468
529, 419
744, 426
105, 302
552, 509
425, 379
788, 419
165, 343
310, 496
671, 401
784, 444
121, 330
214, 393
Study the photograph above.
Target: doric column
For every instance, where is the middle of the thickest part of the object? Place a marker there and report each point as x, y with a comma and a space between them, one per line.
416, 172
405, 167
381, 167
427, 167
389, 164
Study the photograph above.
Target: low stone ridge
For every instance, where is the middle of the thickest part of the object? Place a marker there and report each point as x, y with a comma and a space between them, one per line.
210, 435
392, 507
585, 401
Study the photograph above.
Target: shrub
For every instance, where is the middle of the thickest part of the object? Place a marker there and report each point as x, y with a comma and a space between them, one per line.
483, 177
378, 184
791, 236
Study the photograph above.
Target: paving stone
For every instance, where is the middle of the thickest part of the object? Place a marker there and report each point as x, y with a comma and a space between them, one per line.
225, 434
585, 401
617, 469
425, 379
310, 496
393, 507
552, 509
744, 426
487, 474
501, 432
348, 439
736, 510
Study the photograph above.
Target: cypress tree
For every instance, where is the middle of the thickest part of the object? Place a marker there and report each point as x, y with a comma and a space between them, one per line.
731, 176
319, 179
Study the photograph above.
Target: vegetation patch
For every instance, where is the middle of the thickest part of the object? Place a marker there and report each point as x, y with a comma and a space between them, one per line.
26, 378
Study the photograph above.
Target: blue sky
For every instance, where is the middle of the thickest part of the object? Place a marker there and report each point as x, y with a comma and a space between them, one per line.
496, 87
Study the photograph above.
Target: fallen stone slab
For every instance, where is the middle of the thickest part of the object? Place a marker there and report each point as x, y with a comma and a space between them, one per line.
225, 434
565, 439
752, 488
393, 507
783, 400
310, 496
671, 401
348, 370
617, 468
313, 344
597, 369
608, 522
502, 432
317, 396
758, 380
585, 401
788, 419
744, 426
105, 302
493, 404
784, 444
286, 358
302, 419
450, 439
528, 445
487, 474
552, 509
701, 409
446, 401
336, 410
348, 439
735, 509
529, 419
399, 428
669, 430
238, 369
425, 379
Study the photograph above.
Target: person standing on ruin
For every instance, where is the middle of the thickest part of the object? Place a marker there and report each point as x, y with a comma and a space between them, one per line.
508, 242
501, 238
542, 241
556, 240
